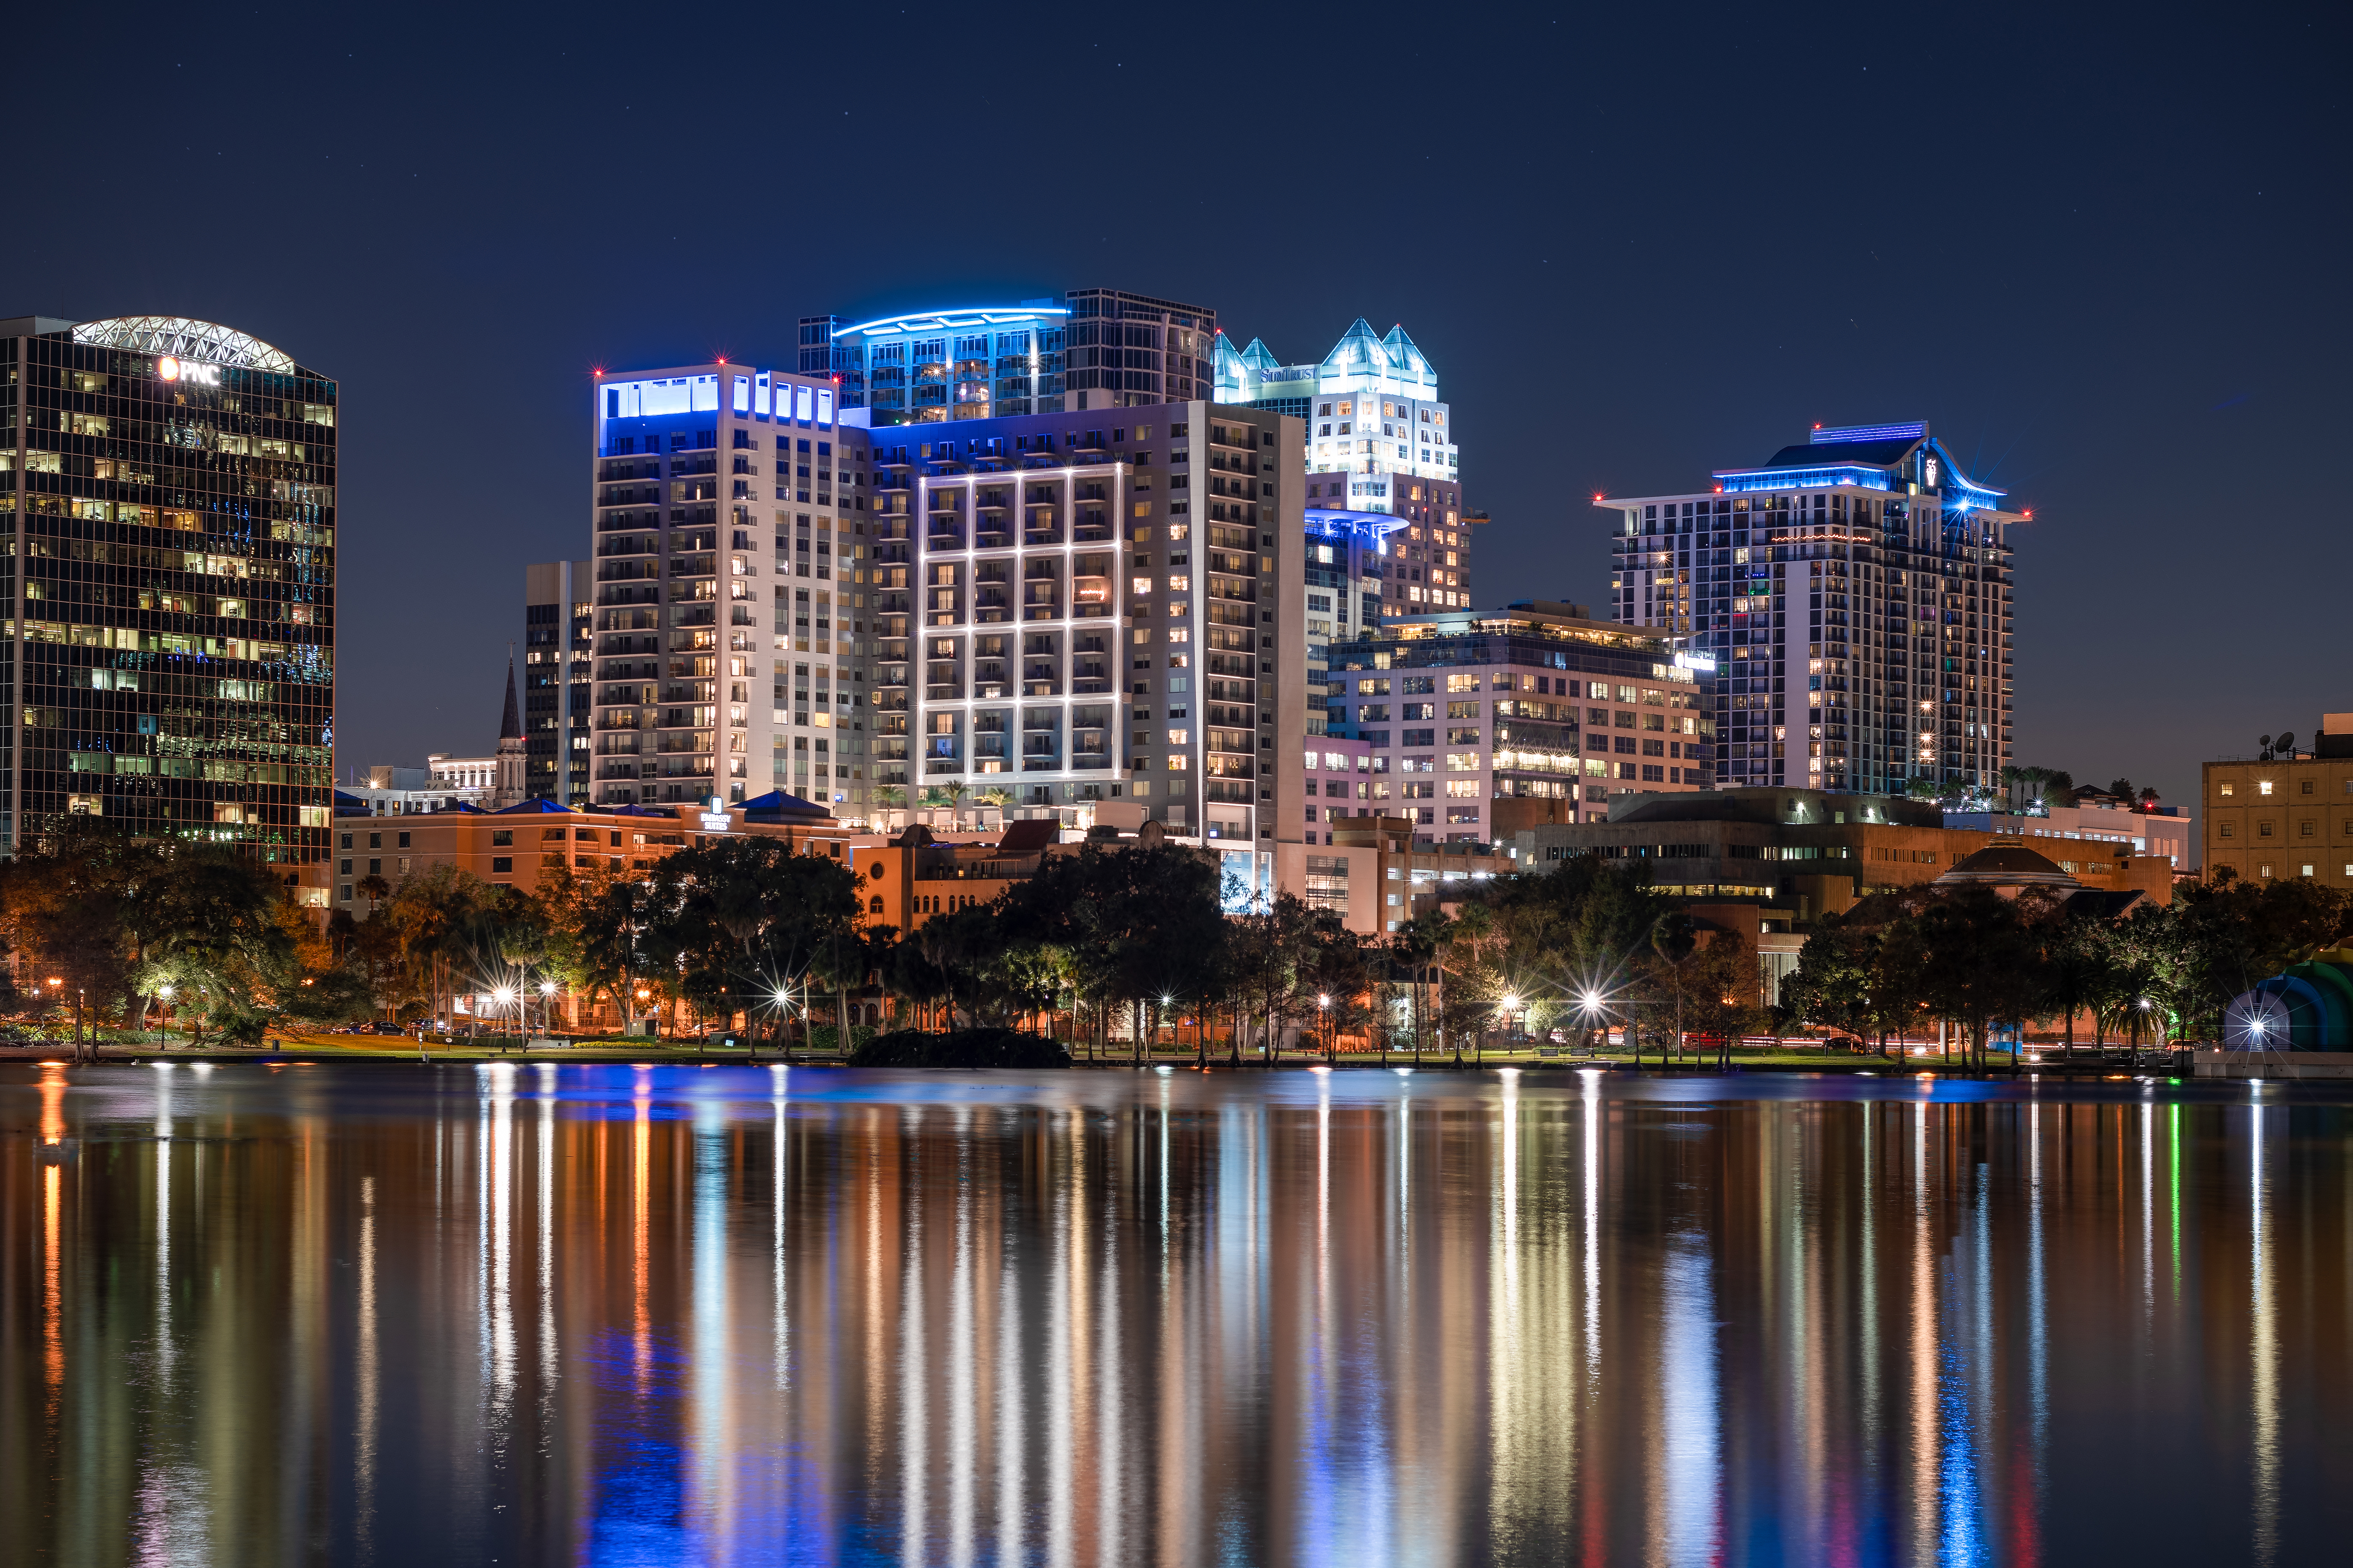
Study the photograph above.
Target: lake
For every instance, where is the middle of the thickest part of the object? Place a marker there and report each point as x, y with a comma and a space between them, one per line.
386, 1314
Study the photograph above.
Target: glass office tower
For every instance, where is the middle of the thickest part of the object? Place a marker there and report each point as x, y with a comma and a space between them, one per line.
1094, 349
171, 485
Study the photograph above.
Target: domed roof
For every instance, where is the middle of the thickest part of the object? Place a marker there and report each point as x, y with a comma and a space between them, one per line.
2008, 866
206, 342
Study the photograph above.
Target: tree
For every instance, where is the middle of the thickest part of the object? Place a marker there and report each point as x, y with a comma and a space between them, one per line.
2227, 933
1269, 948
1724, 991
1834, 982
1413, 945
733, 921
1982, 964
1333, 978
2077, 959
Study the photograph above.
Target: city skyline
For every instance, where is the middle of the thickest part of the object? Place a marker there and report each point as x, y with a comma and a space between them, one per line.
1620, 294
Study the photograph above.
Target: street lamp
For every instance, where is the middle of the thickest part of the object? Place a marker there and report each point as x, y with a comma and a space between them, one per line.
546, 1002
165, 991
783, 1001
505, 996
1324, 1005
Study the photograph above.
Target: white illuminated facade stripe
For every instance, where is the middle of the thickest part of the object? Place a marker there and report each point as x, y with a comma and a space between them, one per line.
962, 623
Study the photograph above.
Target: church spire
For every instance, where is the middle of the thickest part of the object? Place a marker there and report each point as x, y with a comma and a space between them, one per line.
510, 726
512, 765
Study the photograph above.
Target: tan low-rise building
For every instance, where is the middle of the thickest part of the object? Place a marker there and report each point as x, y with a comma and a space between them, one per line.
1376, 875
2285, 815
516, 847
1809, 852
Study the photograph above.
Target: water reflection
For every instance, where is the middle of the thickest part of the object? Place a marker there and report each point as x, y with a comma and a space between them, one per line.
776, 1315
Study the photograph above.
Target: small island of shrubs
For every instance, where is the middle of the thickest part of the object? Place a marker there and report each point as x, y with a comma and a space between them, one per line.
977, 1047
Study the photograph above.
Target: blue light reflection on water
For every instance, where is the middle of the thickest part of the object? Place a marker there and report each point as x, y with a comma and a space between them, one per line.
676, 1314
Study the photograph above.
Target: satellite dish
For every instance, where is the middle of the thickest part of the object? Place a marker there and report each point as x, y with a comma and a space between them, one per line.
2256, 1021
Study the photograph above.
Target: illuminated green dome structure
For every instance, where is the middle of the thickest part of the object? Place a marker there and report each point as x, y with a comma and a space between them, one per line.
2308, 1007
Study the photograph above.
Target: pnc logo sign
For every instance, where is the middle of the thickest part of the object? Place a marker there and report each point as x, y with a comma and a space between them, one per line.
172, 369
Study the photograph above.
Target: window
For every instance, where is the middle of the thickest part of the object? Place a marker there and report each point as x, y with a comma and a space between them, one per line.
2263, 830
2226, 787
2227, 829
2307, 872
2264, 870
2303, 830
502, 835
2264, 787
2305, 788
501, 865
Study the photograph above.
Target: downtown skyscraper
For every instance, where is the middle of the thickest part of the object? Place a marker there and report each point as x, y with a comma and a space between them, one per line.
169, 485
1853, 595
1379, 441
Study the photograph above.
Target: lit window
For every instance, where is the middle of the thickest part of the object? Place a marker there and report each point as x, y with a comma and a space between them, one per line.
2264, 787
2225, 788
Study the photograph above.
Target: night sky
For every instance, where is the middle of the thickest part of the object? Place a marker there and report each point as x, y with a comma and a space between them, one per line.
2103, 254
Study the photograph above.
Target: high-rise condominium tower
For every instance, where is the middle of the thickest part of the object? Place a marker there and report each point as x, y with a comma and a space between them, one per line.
170, 486
1378, 441
1078, 608
722, 668
1853, 593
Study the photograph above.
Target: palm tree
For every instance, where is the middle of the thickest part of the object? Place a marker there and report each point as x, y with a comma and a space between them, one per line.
1415, 943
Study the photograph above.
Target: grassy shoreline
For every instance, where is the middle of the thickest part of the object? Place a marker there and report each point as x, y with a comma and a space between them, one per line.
388, 1048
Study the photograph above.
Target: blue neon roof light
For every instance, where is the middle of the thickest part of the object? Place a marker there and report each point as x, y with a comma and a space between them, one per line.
1369, 524
952, 320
